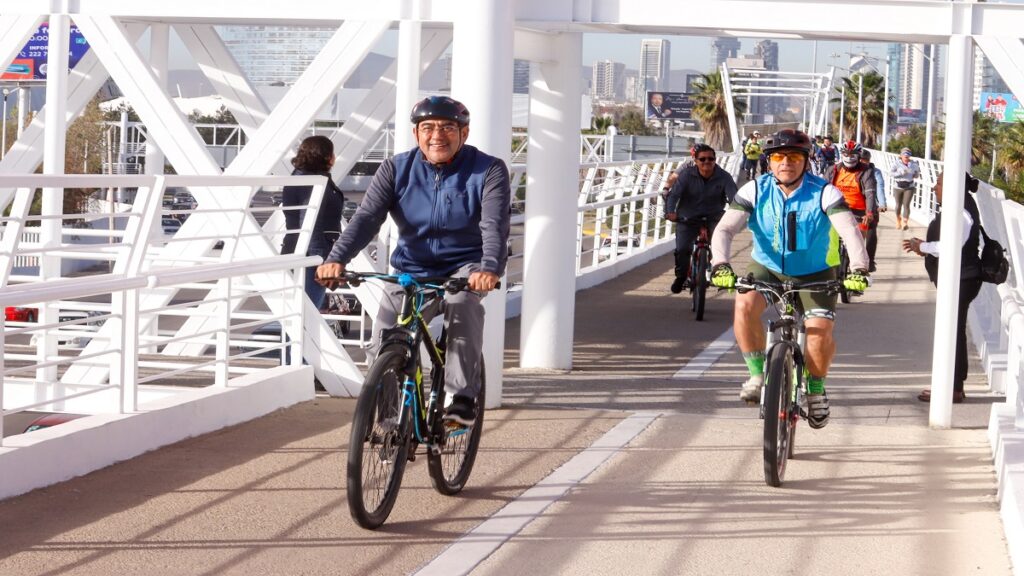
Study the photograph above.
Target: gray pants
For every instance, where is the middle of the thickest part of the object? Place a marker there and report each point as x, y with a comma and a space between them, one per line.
464, 325
903, 197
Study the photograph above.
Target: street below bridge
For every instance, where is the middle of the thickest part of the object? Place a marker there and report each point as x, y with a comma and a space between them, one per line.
640, 460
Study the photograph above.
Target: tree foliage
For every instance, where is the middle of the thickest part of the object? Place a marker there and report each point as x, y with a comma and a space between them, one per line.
711, 109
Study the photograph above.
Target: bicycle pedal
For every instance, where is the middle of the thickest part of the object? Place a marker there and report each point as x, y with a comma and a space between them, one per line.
412, 456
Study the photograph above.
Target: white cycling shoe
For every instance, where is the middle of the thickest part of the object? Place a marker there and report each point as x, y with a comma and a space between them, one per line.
751, 390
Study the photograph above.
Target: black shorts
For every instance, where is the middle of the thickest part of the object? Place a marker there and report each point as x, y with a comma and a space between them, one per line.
815, 304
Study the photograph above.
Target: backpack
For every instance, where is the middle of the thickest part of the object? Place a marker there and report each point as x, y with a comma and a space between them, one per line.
994, 265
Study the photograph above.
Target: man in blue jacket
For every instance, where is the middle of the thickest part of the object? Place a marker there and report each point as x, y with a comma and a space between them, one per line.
450, 203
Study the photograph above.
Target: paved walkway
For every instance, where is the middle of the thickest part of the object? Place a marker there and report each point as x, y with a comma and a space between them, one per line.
616, 467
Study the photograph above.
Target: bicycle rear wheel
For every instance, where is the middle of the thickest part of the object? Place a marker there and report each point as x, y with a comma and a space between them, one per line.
778, 413
379, 441
452, 463
700, 281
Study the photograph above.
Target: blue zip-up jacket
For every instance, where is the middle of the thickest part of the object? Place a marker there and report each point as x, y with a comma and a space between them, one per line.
447, 216
791, 234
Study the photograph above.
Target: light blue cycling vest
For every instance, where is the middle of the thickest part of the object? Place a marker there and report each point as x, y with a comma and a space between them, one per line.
791, 235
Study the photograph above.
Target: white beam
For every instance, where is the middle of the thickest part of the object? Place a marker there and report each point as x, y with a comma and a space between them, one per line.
1007, 57
325, 74
410, 44
549, 256
959, 78
482, 80
15, 30
159, 51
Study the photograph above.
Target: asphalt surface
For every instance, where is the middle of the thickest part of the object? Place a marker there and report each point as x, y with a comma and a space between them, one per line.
875, 492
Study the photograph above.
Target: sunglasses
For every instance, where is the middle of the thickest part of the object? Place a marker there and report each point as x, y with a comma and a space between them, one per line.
791, 156
706, 159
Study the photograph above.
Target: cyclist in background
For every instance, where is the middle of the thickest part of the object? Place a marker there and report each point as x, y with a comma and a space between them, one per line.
450, 203
752, 154
702, 190
826, 155
791, 213
856, 181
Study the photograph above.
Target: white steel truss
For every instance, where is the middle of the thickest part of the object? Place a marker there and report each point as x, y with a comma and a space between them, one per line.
813, 88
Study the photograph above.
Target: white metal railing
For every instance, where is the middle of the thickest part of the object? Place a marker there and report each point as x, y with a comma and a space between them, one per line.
997, 314
620, 215
103, 334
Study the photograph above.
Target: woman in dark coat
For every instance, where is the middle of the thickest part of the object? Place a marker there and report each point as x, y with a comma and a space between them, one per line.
315, 157
970, 274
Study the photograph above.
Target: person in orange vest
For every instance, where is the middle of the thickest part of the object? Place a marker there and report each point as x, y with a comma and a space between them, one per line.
857, 183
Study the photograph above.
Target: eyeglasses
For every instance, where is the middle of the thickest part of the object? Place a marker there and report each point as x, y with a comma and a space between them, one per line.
791, 156
706, 159
446, 129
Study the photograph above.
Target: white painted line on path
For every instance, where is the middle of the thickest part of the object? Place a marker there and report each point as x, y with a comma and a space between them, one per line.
473, 548
700, 364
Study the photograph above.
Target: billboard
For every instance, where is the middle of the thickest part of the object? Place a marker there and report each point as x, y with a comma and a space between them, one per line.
1001, 106
30, 63
910, 116
669, 106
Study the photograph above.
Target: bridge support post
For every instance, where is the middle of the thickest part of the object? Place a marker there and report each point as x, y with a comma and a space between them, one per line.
482, 80
958, 142
549, 257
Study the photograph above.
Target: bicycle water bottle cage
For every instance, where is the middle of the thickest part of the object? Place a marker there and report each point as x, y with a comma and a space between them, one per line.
405, 280
397, 334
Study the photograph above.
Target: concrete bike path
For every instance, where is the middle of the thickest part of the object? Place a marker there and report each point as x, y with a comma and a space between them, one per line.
875, 489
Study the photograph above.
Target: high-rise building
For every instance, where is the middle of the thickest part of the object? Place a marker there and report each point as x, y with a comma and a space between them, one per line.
722, 49
755, 104
607, 80
633, 88
895, 53
913, 76
768, 52
274, 54
654, 64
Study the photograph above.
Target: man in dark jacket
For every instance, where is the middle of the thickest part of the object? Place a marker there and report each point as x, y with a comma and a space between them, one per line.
702, 191
450, 203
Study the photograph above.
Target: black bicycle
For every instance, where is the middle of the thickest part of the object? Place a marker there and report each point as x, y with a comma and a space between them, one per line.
784, 388
842, 271
398, 411
700, 264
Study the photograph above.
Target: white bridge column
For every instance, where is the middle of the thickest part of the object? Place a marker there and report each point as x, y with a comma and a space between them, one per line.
549, 256
482, 80
159, 47
958, 140
408, 84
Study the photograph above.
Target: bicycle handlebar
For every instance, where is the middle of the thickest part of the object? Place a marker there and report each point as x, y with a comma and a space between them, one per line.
446, 283
748, 283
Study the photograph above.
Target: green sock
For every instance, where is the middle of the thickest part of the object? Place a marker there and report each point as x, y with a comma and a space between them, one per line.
815, 385
755, 362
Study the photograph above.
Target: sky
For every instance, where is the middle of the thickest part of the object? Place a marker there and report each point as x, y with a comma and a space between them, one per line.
695, 51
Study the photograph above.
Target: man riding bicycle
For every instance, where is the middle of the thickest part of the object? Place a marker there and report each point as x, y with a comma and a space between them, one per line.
702, 191
450, 203
791, 213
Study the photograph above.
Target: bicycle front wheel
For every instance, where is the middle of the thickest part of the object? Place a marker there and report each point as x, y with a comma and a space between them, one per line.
379, 441
778, 412
451, 460
700, 282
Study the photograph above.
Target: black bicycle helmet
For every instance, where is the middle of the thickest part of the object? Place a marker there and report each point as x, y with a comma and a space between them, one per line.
441, 107
789, 139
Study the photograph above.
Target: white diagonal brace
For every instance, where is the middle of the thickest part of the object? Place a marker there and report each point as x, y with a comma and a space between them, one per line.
328, 71
1007, 57
15, 30
379, 106
219, 66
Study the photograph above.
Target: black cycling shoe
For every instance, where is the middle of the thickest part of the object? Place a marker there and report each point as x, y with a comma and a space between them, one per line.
678, 284
461, 411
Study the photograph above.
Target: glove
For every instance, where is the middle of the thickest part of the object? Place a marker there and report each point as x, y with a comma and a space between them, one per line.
857, 281
722, 276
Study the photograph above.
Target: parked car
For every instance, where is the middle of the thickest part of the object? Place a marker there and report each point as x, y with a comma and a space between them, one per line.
21, 314
170, 226
349, 209
48, 420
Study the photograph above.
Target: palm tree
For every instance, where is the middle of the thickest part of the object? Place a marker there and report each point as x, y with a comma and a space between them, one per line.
709, 106
871, 108
1011, 150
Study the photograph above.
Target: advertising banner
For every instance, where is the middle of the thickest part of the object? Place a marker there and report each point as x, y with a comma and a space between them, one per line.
910, 116
669, 106
30, 63
1001, 106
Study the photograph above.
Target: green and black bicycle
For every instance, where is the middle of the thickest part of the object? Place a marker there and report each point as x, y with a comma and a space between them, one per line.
784, 387
400, 407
